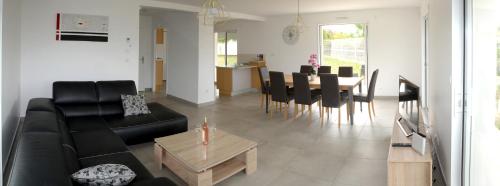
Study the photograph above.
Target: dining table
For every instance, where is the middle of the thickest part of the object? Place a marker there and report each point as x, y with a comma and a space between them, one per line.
345, 84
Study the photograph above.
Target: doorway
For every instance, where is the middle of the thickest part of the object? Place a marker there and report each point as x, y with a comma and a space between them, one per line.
146, 53
152, 53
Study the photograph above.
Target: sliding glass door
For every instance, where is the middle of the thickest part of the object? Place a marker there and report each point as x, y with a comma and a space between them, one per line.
227, 49
482, 85
344, 45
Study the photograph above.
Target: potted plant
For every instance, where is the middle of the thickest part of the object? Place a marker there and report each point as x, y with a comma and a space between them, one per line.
313, 61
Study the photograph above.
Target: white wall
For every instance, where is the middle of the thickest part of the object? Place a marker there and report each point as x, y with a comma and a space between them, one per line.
1, 117
445, 82
182, 53
45, 60
11, 71
206, 63
393, 42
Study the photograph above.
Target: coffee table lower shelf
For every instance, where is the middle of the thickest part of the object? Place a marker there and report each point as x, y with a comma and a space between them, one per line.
227, 169
246, 161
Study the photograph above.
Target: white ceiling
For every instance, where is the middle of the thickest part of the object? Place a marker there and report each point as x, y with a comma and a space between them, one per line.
280, 7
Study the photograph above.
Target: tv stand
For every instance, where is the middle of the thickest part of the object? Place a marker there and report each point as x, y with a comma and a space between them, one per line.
405, 166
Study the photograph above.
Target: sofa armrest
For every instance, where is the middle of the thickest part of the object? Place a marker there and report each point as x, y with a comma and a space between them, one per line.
154, 182
41, 104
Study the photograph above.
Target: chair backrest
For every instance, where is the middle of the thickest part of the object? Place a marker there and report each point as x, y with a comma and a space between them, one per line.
278, 87
371, 87
307, 69
325, 70
264, 77
330, 91
345, 72
301, 89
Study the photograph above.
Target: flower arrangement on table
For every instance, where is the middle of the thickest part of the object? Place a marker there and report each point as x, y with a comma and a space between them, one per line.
313, 61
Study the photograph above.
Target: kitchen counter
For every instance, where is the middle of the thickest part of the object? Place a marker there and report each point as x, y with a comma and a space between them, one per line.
233, 81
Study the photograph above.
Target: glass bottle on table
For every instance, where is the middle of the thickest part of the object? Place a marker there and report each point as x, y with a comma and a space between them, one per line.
205, 131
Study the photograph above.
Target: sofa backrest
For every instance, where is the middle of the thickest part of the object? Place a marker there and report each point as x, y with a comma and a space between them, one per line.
109, 95
44, 153
76, 98
86, 98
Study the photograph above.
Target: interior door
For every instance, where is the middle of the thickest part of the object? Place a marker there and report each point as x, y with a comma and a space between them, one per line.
146, 53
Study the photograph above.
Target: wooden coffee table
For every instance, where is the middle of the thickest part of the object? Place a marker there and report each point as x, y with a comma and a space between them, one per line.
199, 164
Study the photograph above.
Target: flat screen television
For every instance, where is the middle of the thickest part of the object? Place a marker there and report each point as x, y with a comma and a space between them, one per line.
409, 106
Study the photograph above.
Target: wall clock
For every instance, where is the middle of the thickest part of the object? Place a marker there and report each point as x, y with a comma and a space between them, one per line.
291, 34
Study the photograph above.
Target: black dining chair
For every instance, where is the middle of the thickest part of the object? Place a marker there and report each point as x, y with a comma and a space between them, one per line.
303, 94
264, 84
368, 97
280, 93
324, 70
307, 69
331, 96
345, 72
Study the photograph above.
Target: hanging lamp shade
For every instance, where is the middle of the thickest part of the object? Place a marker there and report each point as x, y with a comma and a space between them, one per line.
213, 11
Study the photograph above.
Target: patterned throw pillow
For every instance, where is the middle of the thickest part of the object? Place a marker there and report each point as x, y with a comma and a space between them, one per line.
105, 174
134, 105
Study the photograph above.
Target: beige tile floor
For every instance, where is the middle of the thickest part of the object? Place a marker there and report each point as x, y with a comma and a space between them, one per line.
295, 151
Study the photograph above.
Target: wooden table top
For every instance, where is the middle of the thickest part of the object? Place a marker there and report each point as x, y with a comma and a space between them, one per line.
344, 82
187, 148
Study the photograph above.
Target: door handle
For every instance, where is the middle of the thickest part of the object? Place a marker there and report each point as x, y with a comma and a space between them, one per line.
142, 59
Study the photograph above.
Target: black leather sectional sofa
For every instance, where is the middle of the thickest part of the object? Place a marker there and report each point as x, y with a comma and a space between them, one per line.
82, 126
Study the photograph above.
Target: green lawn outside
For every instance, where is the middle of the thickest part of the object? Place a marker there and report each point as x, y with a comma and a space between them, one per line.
231, 60
336, 63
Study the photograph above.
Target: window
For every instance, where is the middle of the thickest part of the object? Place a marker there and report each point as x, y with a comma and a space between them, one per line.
344, 45
482, 90
227, 49
497, 117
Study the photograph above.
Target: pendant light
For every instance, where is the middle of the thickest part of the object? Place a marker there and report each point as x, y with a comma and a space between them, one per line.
299, 22
213, 11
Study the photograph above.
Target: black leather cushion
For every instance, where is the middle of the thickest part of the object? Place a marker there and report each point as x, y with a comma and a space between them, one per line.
361, 97
71, 92
39, 160
79, 110
41, 104
144, 128
124, 158
88, 123
66, 137
99, 142
76, 99
40, 121
109, 93
71, 159
154, 182
111, 108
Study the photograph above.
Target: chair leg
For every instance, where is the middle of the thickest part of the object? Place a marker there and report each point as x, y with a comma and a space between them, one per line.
373, 109
347, 112
302, 109
281, 106
370, 111
339, 116
276, 106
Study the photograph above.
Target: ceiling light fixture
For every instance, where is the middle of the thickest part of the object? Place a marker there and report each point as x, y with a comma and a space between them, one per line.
213, 11
299, 22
